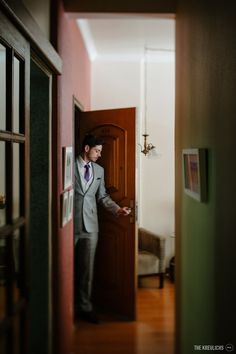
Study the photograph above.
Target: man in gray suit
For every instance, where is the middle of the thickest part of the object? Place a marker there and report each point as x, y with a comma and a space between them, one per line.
89, 190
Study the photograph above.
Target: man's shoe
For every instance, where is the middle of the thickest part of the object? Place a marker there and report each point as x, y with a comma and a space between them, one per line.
89, 316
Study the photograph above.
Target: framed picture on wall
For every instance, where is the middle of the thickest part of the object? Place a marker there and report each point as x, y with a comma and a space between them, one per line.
68, 163
70, 204
194, 173
64, 208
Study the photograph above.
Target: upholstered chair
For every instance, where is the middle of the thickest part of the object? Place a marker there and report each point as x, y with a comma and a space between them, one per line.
151, 254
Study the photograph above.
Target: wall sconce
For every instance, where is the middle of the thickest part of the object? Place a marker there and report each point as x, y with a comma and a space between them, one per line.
147, 147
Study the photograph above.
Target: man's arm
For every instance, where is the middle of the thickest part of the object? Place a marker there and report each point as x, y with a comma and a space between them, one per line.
107, 202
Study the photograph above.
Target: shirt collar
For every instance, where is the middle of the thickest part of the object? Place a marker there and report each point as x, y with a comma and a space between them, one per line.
82, 163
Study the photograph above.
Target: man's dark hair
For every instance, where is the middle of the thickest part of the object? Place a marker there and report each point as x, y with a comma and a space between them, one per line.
91, 141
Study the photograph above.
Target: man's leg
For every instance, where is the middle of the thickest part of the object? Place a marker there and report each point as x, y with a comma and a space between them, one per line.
84, 268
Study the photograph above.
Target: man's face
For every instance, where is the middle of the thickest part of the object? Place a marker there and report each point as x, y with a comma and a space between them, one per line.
93, 153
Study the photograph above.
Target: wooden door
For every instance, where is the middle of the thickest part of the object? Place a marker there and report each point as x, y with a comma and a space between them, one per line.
14, 188
115, 280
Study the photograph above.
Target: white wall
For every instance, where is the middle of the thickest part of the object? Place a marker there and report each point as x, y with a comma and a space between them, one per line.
115, 84
121, 84
157, 168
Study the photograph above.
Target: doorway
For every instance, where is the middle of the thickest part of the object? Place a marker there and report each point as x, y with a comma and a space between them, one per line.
156, 170
155, 313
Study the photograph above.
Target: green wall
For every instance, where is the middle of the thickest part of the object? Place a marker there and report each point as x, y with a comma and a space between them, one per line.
206, 117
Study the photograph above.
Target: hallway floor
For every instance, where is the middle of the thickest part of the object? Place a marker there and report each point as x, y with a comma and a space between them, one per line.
152, 333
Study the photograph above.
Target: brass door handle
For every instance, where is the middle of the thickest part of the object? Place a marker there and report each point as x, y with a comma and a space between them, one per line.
132, 213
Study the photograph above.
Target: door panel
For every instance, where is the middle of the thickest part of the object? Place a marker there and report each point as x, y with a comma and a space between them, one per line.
115, 281
114, 155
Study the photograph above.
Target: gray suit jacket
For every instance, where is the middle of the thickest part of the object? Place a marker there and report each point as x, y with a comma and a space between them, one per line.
85, 202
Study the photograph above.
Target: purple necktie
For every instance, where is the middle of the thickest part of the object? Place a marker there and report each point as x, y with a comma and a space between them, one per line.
86, 172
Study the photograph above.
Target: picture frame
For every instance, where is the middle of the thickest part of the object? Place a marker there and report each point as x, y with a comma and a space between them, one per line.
64, 208
70, 204
67, 206
68, 163
194, 173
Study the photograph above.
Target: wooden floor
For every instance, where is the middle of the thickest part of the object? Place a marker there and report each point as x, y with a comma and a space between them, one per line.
152, 333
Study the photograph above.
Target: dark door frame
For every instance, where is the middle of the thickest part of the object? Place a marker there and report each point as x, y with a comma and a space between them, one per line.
20, 17
17, 15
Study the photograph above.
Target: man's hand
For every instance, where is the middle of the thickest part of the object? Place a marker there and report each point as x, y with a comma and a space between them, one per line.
124, 211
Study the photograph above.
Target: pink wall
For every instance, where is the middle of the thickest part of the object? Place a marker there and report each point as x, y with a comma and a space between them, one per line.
74, 81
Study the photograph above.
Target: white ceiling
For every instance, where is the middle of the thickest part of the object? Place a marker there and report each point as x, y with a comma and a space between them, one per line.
125, 38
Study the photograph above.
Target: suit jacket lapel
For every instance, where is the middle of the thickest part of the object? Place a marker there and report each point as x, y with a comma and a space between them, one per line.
78, 177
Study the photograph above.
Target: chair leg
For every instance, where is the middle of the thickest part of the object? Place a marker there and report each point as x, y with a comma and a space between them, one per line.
161, 280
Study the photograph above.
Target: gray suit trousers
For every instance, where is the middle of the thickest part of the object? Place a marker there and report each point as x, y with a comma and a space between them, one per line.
85, 249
